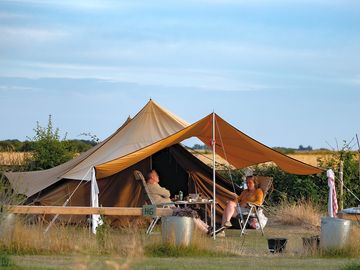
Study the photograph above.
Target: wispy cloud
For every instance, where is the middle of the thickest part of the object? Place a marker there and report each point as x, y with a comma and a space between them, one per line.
267, 3
201, 79
79, 5
12, 15
9, 88
31, 34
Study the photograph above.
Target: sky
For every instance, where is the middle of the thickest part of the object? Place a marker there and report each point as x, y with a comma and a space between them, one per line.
285, 72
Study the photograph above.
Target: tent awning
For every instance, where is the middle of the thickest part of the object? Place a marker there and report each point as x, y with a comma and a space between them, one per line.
236, 147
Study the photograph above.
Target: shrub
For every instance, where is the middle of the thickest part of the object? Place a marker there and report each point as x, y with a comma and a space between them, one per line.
49, 149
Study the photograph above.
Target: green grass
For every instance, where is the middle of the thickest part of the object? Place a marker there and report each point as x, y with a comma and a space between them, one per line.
255, 262
160, 250
351, 266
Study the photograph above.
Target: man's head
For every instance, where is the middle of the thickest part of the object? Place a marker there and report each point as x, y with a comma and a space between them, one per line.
152, 177
250, 182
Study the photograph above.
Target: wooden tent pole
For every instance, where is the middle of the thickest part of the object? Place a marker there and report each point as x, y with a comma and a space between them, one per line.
341, 174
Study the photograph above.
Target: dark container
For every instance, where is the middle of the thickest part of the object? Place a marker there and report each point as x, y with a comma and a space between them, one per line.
277, 245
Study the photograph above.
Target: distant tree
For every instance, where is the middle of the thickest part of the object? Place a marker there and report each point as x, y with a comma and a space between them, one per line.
78, 146
284, 150
302, 148
49, 150
198, 147
6, 146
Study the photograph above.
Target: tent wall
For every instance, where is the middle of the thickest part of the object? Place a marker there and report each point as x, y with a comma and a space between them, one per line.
178, 170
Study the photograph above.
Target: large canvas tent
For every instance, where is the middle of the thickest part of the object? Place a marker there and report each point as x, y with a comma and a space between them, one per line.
150, 140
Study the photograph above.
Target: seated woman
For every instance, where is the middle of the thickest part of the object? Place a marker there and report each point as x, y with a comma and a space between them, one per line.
249, 195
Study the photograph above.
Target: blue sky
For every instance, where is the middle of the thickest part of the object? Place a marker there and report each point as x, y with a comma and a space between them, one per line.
286, 72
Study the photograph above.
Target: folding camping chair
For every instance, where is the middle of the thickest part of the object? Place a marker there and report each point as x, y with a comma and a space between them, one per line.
264, 183
148, 200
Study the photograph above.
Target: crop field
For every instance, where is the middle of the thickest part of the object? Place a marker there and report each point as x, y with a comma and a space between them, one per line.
311, 157
307, 157
13, 158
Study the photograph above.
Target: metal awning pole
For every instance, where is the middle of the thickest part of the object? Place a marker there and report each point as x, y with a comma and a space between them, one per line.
214, 178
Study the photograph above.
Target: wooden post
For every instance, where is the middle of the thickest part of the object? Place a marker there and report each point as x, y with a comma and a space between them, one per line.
341, 174
83, 210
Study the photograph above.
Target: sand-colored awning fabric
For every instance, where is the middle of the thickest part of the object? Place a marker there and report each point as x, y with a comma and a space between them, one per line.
239, 149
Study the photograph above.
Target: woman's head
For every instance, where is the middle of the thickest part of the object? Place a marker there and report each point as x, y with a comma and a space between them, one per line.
250, 182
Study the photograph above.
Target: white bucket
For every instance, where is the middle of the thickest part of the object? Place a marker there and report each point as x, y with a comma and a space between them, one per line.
177, 230
334, 232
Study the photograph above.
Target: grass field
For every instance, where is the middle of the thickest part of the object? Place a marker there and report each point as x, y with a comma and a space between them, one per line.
64, 249
270, 262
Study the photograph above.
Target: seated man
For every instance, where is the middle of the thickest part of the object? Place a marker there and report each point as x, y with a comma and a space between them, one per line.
158, 194
161, 195
249, 195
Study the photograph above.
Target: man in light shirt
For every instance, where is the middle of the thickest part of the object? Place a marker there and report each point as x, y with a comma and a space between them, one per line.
161, 195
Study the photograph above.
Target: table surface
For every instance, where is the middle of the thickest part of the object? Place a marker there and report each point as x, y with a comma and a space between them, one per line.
193, 202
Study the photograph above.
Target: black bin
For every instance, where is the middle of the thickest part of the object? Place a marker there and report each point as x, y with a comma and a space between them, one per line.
277, 245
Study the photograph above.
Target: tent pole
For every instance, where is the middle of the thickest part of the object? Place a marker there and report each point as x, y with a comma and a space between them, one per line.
341, 176
214, 178
357, 139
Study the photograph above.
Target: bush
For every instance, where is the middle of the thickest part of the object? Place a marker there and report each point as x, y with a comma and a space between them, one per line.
49, 149
351, 172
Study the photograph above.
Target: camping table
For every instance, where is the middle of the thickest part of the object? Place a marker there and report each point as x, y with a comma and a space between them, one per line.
204, 203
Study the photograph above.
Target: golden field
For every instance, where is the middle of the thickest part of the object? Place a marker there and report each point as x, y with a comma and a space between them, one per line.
14, 158
18, 158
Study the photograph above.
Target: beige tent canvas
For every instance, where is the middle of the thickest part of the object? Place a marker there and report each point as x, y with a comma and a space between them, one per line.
150, 125
150, 140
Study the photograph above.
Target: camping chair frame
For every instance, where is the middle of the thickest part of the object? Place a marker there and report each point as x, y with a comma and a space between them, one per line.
140, 177
263, 182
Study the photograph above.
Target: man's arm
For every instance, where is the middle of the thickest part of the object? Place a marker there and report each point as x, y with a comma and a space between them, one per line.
161, 191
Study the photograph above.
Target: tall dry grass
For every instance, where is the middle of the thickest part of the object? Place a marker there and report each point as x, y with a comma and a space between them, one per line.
297, 214
14, 158
26, 238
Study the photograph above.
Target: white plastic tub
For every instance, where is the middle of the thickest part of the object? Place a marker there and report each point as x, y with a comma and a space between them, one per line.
334, 232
